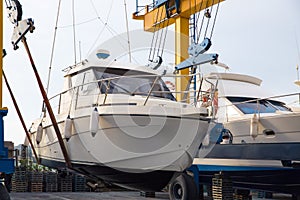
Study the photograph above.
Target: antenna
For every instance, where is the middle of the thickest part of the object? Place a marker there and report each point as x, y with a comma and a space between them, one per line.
297, 82
127, 30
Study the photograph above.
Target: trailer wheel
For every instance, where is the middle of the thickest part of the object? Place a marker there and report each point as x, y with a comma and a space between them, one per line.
183, 188
3, 193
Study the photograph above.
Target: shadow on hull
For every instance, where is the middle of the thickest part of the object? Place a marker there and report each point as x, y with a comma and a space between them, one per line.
152, 181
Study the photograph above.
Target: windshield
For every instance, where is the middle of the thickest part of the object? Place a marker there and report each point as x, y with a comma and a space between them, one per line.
252, 105
132, 85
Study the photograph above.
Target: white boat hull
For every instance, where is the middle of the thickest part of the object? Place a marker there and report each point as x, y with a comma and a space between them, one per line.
130, 144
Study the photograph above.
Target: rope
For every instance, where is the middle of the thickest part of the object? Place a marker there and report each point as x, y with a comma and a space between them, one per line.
53, 44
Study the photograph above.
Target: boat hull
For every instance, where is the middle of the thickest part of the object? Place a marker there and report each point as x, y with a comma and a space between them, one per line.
124, 151
285, 128
149, 181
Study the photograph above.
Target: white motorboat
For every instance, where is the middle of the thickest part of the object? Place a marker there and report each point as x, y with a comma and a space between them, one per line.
250, 113
120, 124
261, 137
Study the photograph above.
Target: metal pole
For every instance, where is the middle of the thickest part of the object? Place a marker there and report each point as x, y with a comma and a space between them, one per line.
48, 106
20, 116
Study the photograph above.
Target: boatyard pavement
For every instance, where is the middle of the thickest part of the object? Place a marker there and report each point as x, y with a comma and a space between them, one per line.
84, 196
103, 196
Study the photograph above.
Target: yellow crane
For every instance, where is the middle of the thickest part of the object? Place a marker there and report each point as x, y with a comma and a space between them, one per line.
163, 13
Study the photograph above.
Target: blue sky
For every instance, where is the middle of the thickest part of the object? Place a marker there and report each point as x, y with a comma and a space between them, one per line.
254, 37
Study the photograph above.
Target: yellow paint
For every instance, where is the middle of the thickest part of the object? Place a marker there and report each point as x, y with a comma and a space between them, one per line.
181, 53
156, 18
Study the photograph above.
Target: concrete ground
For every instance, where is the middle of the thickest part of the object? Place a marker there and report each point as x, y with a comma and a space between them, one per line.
103, 196
85, 196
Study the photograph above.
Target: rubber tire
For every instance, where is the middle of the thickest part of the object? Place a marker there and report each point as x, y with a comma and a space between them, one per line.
3, 193
183, 188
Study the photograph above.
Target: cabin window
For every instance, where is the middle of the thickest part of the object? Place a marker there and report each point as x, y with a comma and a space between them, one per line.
252, 105
121, 81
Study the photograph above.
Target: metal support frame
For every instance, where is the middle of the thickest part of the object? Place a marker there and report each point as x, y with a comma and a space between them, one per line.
6, 164
184, 8
48, 106
197, 55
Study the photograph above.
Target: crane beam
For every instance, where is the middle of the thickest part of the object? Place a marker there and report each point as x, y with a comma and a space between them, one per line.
156, 18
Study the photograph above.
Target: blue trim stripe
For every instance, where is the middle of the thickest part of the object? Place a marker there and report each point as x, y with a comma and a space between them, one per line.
217, 168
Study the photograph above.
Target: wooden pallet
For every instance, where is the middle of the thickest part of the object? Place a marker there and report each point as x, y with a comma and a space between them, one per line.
36, 187
35, 177
19, 186
50, 187
222, 188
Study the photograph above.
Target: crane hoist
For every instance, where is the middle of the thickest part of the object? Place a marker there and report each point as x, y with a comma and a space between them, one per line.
163, 13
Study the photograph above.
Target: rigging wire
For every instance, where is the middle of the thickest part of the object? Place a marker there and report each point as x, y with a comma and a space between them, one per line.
160, 40
80, 23
107, 26
152, 41
196, 23
156, 35
164, 41
202, 22
213, 26
127, 30
53, 45
209, 12
7, 6
74, 31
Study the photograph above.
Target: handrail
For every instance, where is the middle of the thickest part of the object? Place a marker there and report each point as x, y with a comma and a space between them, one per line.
118, 77
107, 82
150, 91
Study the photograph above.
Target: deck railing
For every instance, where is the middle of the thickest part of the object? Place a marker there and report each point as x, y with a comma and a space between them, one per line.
95, 92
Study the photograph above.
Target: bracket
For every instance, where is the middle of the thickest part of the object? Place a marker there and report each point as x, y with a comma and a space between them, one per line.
197, 55
20, 30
